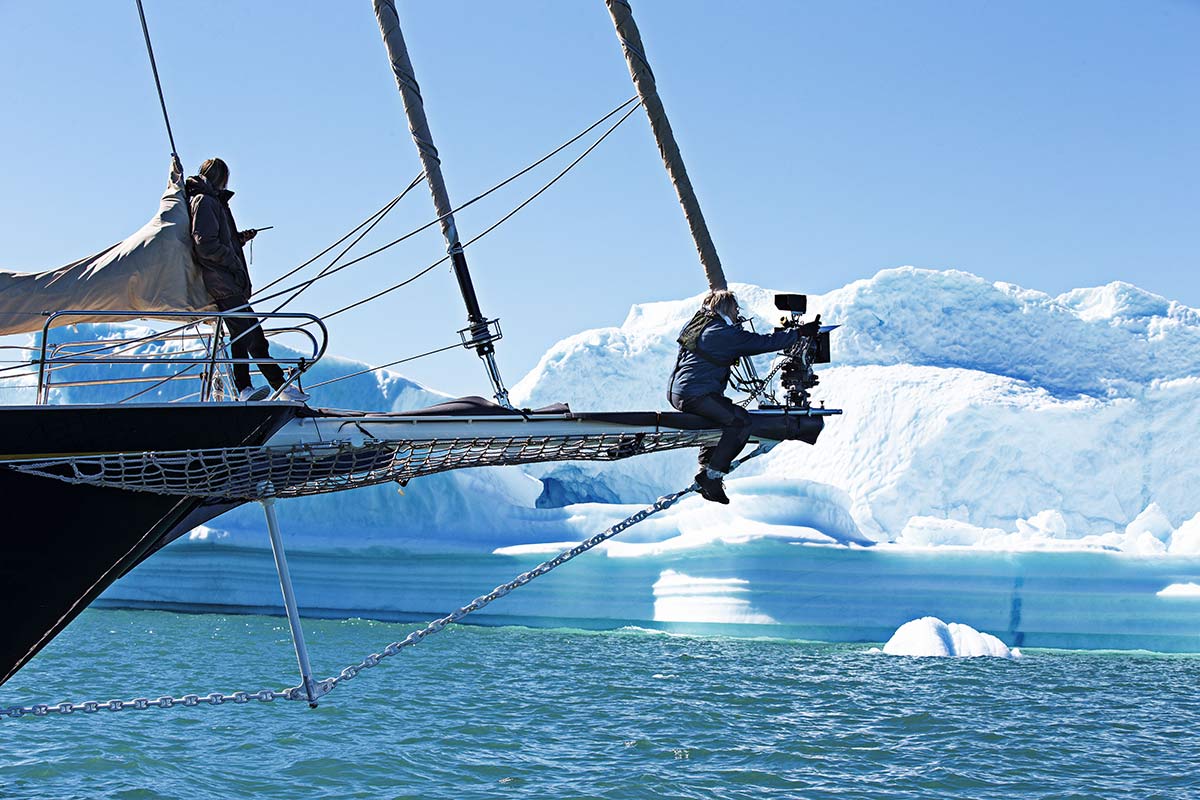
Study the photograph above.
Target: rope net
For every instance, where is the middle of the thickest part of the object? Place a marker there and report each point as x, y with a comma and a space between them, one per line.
255, 473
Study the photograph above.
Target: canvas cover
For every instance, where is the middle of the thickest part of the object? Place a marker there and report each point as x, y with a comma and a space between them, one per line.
152, 270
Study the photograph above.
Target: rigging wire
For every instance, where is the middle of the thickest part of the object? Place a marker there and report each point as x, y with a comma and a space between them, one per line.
470, 202
349, 247
120, 345
446, 258
497, 224
162, 103
154, 386
454, 346
378, 215
124, 345
158, 84
385, 209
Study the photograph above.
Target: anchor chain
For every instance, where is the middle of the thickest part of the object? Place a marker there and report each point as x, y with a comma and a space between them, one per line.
327, 685
765, 382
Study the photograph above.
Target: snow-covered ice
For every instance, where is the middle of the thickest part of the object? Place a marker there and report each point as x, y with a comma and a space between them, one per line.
1189, 589
929, 636
1020, 462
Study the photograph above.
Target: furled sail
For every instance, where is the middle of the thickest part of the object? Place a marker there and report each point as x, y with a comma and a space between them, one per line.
152, 270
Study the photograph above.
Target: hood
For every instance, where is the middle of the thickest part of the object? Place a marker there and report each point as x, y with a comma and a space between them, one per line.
198, 184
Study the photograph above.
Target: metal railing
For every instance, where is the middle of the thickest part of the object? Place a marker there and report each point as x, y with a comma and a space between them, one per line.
201, 353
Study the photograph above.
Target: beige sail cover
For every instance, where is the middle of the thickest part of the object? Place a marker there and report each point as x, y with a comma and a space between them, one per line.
152, 270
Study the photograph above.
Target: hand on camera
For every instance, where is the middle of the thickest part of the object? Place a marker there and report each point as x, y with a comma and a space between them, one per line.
810, 329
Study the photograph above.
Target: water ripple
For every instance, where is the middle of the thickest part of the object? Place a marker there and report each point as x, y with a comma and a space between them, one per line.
481, 712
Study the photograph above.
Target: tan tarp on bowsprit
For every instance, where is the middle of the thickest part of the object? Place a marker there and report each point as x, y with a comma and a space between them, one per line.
152, 270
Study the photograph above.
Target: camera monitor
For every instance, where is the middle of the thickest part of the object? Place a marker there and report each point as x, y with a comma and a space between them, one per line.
795, 303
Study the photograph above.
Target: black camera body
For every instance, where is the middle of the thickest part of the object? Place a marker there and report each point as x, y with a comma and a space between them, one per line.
796, 374
795, 367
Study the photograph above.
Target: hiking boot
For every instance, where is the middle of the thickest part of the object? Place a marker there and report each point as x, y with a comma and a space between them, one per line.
253, 394
712, 488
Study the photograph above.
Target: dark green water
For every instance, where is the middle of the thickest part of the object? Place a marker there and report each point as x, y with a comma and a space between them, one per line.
514, 712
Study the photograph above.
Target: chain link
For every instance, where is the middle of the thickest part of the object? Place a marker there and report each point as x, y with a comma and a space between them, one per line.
764, 383
374, 659
142, 703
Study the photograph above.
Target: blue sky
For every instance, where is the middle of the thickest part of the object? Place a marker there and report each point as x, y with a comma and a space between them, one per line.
1052, 145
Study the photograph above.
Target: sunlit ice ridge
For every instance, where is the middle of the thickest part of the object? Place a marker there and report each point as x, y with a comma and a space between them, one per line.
1015, 461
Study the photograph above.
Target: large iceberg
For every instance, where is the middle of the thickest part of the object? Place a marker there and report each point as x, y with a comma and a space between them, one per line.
1017, 461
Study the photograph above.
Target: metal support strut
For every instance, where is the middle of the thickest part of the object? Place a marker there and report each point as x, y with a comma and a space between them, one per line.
289, 602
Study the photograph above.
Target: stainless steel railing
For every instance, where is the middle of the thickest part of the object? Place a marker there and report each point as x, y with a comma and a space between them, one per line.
199, 344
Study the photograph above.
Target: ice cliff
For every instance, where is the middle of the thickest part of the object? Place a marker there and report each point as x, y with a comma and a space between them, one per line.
977, 414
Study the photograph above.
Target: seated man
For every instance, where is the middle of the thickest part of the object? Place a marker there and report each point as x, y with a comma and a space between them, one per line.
218, 246
709, 345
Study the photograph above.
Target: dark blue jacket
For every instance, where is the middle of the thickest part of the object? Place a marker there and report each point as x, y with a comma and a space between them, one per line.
695, 376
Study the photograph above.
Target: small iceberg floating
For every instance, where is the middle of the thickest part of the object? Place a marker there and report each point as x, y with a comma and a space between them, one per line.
929, 636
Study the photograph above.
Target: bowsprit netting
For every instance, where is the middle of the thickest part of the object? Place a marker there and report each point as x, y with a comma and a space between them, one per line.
254, 473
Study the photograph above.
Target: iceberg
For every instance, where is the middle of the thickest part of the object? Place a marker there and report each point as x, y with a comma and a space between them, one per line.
1017, 461
1189, 589
930, 637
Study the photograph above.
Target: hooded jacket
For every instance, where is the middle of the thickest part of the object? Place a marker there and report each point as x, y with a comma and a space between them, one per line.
216, 241
720, 345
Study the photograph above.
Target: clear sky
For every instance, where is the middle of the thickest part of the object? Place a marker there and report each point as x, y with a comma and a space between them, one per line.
1052, 145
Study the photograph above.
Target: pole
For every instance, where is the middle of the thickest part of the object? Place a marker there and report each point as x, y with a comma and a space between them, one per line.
647, 89
481, 338
289, 600
162, 101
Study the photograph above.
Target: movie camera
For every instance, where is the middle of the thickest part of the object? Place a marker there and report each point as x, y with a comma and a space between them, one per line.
795, 368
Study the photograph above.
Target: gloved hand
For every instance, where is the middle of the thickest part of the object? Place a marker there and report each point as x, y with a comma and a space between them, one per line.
810, 329
247, 234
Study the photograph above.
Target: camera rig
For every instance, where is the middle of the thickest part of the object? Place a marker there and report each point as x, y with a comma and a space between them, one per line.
795, 366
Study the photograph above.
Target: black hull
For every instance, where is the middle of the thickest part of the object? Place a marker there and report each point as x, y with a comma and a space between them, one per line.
64, 544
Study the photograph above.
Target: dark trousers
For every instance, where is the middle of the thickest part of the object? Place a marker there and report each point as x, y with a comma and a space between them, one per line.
733, 420
248, 341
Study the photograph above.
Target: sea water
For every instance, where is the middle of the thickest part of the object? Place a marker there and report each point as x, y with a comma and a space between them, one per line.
518, 712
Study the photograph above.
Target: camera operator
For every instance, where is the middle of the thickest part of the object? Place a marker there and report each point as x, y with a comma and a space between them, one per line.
711, 343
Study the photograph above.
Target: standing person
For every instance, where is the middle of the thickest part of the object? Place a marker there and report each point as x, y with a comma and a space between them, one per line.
711, 343
218, 245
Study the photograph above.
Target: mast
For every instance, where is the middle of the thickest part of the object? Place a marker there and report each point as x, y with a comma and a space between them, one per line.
647, 89
480, 333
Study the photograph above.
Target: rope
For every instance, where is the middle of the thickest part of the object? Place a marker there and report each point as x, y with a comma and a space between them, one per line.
374, 659
158, 84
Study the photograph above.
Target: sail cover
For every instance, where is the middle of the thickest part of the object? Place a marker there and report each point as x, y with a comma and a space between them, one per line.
152, 270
